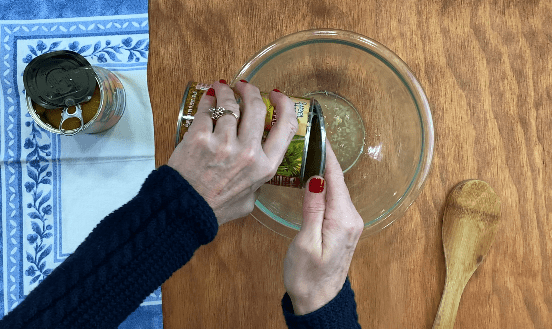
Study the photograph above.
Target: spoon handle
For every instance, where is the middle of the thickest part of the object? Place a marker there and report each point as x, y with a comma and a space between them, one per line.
446, 315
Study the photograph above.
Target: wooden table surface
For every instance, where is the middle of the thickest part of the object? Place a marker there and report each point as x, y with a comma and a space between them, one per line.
486, 67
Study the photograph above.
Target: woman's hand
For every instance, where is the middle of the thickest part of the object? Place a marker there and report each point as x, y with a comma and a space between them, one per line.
318, 259
227, 166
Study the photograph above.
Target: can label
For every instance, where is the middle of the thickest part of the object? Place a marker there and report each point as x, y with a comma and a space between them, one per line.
288, 173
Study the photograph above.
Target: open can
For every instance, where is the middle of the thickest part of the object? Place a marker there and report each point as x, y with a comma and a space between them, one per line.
306, 154
66, 95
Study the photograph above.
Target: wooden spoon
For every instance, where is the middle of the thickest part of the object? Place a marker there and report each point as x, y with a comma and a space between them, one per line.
470, 221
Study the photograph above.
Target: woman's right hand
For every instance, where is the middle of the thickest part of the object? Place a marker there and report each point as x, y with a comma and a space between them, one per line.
318, 259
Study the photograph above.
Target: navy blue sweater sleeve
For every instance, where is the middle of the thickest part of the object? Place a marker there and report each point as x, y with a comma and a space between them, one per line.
340, 312
128, 255
133, 251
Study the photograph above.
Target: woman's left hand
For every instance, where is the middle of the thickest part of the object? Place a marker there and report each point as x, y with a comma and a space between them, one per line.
227, 165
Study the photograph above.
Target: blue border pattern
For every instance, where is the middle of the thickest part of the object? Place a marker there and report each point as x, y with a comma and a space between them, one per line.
44, 9
31, 174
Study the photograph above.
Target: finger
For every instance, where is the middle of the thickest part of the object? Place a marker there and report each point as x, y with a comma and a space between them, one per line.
253, 113
284, 129
202, 119
246, 205
314, 207
338, 200
337, 189
226, 125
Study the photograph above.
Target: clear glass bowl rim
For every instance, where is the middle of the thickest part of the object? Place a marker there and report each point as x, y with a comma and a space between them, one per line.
399, 67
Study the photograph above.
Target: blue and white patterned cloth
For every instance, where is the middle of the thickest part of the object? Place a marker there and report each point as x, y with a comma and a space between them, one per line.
54, 189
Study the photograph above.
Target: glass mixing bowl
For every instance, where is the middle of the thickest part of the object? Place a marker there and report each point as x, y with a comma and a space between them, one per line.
377, 118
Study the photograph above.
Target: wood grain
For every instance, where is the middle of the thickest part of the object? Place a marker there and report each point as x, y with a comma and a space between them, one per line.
486, 69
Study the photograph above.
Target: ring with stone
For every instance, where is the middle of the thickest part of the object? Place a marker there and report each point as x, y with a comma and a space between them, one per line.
216, 113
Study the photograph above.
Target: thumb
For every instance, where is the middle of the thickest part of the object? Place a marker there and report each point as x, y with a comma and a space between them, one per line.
314, 207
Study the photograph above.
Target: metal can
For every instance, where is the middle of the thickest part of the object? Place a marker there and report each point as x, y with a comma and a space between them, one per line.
62, 85
306, 154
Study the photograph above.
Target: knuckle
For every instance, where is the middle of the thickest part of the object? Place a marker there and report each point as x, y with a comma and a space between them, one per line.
202, 138
258, 103
359, 225
314, 208
250, 207
293, 125
247, 206
291, 108
354, 227
270, 170
273, 168
232, 106
224, 150
251, 88
249, 155
349, 228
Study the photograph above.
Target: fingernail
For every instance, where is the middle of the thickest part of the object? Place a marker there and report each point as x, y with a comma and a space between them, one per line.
211, 92
276, 90
243, 81
222, 81
316, 185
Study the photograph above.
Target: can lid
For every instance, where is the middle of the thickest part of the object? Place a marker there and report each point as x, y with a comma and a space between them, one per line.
59, 79
314, 156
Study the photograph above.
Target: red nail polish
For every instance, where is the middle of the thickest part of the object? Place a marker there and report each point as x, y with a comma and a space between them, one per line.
276, 90
316, 185
243, 81
222, 81
210, 92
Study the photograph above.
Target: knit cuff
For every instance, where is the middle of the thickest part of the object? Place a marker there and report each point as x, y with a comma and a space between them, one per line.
207, 229
126, 257
340, 312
